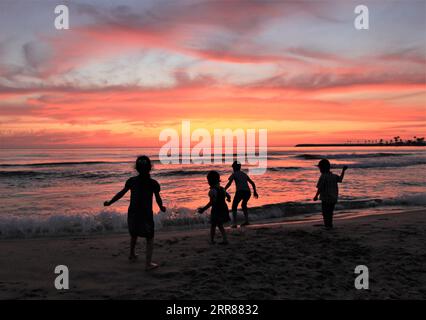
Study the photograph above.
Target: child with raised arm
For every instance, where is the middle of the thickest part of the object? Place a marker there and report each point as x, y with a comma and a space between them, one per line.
140, 215
219, 213
328, 190
242, 193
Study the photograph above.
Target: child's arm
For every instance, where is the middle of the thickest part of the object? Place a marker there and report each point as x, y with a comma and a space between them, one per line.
319, 187
253, 186
231, 178
342, 175
317, 194
159, 201
208, 205
202, 209
117, 197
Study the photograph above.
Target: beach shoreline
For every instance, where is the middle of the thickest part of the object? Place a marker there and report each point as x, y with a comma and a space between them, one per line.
268, 260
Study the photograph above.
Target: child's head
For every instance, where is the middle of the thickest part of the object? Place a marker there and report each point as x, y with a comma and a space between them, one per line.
324, 166
236, 166
143, 165
213, 178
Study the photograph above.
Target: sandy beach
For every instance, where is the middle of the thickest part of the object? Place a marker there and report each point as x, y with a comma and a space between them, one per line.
272, 261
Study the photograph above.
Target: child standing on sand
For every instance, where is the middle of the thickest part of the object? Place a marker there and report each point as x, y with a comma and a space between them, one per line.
242, 193
140, 215
328, 190
219, 213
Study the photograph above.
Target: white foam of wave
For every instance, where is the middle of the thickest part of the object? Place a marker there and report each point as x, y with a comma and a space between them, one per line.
175, 217
57, 225
105, 221
417, 199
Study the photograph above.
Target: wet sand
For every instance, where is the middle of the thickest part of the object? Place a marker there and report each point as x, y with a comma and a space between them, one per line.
272, 261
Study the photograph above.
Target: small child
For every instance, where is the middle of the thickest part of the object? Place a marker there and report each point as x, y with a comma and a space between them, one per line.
328, 191
140, 215
242, 193
219, 213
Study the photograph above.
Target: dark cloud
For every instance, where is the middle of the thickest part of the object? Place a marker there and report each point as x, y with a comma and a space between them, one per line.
36, 54
237, 21
236, 15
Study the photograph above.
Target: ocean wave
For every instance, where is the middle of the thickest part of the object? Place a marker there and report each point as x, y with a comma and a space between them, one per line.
104, 222
94, 174
279, 169
77, 163
308, 156
107, 222
383, 164
62, 174
62, 225
56, 164
180, 172
418, 199
20, 173
103, 175
359, 165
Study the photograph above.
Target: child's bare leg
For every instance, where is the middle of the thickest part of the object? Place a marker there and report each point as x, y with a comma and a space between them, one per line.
327, 213
133, 241
149, 249
245, 211
223, 232
212, 232
234, 219
235, 203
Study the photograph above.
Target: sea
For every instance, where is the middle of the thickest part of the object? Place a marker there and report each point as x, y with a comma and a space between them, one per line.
60, 192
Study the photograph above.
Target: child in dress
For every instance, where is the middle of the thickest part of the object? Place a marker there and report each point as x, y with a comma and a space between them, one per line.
219, 213
140, 215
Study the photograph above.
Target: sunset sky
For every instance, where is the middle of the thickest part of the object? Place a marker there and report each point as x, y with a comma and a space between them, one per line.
122, 73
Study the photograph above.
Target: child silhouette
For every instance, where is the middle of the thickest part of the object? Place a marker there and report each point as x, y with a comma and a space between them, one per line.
140, 215
328, 190
242, 193
219, 213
